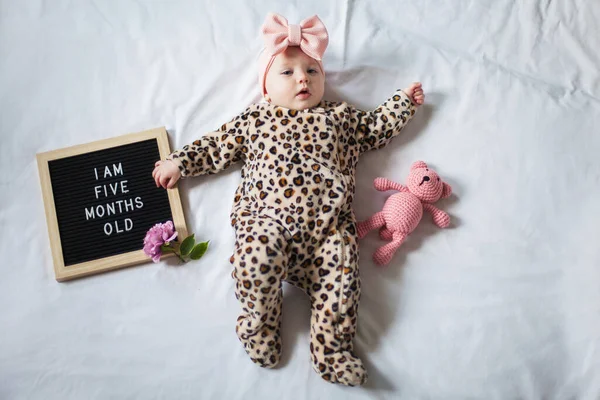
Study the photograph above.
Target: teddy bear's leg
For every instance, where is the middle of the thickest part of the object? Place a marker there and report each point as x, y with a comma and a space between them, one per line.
385, 233
364, 227
384, 254
260, 263
335, 294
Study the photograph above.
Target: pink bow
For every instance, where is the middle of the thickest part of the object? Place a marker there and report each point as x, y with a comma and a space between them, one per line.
311, 35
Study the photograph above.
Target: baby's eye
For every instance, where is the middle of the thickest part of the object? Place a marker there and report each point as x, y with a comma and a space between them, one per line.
312, 71
286, 72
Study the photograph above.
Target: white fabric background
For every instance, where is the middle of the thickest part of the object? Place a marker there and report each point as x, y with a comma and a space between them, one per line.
505, 305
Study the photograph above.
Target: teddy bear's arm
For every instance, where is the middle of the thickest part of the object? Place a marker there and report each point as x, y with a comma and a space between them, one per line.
440, 218
384, 184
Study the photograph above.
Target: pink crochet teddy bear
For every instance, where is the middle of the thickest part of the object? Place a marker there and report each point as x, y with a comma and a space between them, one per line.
402, 211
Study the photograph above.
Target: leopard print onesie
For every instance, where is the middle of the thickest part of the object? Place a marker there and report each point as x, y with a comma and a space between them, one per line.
293, 219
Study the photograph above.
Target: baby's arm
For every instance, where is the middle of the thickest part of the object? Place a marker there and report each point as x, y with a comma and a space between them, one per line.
212, 153
375, 129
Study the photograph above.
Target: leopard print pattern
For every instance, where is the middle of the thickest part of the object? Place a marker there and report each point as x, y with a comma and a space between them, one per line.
293, 219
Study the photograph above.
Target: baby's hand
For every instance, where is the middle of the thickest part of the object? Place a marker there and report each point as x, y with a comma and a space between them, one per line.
415, 93
166, 174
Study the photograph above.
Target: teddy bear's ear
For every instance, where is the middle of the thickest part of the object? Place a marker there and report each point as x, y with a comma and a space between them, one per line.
447, 191
418, 164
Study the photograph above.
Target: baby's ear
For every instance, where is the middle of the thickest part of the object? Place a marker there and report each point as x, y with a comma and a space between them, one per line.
447, 191
418, 164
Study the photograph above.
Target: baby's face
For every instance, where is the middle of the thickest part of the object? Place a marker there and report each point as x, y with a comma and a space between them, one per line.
295, 80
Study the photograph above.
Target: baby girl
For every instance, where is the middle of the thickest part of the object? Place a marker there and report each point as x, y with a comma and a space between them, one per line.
292, 212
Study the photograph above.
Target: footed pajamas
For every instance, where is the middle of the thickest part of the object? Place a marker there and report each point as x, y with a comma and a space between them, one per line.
293, 219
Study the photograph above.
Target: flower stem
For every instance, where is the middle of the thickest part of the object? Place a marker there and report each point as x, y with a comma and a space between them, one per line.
176, 246
179, 256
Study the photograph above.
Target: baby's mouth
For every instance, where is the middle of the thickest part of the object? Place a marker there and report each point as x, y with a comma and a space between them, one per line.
303, 94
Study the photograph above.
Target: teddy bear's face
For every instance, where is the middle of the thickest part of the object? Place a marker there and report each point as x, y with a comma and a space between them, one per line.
425, 184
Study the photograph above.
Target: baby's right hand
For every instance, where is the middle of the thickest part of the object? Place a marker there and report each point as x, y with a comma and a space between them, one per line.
415, 93
166, 174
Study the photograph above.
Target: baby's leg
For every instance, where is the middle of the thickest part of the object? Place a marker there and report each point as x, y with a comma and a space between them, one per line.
335, 293
260, 261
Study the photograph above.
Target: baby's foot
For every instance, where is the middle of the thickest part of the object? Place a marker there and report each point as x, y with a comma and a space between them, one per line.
342, 367
264, 346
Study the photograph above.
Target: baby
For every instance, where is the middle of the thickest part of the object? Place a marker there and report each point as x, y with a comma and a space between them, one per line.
292, 212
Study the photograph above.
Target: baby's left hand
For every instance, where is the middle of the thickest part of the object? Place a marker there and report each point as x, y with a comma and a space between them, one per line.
415, 93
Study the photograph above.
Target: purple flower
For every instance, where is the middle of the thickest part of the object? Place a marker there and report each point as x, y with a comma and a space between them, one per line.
158, 235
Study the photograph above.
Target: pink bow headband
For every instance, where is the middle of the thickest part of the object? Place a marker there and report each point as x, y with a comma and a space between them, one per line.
310, 35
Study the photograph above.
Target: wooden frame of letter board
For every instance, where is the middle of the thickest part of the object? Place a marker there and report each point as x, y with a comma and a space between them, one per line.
63, 273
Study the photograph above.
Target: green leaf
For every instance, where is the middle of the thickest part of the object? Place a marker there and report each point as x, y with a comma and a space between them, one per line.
187, 245
199, 250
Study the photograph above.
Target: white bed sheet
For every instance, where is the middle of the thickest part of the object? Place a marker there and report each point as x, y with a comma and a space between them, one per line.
505, 305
